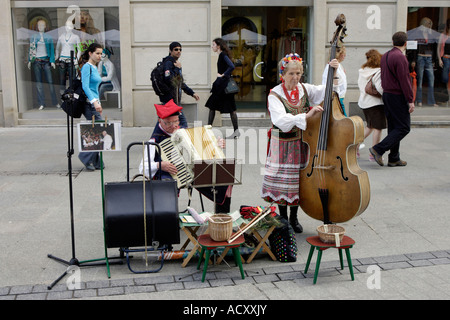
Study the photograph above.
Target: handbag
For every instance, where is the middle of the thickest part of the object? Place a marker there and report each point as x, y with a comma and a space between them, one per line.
283, 242
126, 225
371, 89
231, 87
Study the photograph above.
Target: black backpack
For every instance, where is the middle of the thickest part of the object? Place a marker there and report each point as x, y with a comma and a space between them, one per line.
157, 79
76, 95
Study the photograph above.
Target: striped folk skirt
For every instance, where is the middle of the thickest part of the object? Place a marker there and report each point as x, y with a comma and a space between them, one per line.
282, 171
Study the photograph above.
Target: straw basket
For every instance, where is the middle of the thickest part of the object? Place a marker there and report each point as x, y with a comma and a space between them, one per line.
220, 227
329, 232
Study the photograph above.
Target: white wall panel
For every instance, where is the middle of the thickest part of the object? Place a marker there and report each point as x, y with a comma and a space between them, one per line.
172, 22
366, 22
194, 63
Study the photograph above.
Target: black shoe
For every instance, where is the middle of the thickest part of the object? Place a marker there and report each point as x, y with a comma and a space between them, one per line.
296, 225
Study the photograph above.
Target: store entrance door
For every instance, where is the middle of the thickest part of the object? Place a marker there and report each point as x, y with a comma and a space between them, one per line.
258, 38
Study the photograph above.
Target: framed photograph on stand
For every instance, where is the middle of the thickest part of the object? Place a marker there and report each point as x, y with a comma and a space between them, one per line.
99, 136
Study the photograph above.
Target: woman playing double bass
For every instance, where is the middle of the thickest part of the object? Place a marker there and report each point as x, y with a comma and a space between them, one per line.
290, 105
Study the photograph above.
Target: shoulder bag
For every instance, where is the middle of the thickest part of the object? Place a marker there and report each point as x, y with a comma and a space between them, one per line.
371, 89
231, 87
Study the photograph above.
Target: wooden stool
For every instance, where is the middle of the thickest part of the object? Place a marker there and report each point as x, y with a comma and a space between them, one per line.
315, 242
209, 244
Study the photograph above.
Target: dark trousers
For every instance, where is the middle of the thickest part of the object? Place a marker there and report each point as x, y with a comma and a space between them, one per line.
398, 125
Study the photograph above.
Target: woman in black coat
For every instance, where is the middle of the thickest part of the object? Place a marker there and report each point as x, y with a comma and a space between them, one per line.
219, 100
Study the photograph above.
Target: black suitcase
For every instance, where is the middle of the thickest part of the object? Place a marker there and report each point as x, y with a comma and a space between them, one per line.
124, 211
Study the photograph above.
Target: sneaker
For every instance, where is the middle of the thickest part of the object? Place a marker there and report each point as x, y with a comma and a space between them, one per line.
399, 163
58, 106
372, 159
376, 156
90, 167
360, 146
100, 167
41, 107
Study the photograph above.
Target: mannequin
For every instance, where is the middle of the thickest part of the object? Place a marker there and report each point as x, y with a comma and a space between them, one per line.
87, 30
107, 71
67, 42
425, 63
443, 53
41, 58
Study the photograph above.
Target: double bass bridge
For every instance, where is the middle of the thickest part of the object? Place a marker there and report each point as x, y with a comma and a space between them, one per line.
329, 167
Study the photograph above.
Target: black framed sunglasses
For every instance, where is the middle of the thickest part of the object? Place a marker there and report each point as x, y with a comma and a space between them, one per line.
177, 49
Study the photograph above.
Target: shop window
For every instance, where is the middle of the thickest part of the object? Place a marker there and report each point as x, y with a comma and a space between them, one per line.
428, 53
43, 41
258, 38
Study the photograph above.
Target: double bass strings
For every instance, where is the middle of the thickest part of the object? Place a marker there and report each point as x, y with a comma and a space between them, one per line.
322, 141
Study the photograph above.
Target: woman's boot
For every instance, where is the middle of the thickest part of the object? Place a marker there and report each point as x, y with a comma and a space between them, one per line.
283, 211
294, 221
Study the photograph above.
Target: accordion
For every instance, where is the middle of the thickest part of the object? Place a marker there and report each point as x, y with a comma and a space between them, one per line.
187, 147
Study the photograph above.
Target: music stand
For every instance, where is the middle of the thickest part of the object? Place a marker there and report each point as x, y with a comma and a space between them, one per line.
215, 172
70, 151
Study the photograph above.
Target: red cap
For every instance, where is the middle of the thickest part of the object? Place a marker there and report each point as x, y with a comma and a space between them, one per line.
168, 109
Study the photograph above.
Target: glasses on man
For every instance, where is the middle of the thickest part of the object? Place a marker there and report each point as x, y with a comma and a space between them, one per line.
177, 49
171, 123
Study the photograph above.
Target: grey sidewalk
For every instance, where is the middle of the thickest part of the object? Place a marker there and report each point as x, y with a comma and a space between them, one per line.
404, 231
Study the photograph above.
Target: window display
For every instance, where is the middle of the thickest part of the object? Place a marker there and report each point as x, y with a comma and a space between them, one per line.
43, 41
426, 52
258, 38
40, 59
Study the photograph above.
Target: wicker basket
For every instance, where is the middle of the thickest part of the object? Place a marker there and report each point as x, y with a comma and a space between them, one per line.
220, 227
327, 233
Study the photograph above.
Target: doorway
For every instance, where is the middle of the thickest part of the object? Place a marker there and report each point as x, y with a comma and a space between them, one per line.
258, 38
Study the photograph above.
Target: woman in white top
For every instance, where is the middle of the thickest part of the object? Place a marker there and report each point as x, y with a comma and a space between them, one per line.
372, 106
290, 105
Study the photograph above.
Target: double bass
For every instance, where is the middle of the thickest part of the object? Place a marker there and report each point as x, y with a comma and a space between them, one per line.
333, 188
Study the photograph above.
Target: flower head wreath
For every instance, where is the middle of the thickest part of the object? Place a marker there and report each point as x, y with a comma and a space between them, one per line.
288, 58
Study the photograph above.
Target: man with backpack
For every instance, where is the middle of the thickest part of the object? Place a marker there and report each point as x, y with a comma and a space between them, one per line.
167, 80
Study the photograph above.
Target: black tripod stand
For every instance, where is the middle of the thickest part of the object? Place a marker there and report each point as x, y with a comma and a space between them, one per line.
69, 99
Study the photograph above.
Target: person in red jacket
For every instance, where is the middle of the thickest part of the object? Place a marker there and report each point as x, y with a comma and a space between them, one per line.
398, 101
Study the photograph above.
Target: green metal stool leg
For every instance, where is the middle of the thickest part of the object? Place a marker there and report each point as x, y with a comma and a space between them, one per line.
349, 260
311, 251
237, 257
200, 258
340, 258
319, 257
205, 266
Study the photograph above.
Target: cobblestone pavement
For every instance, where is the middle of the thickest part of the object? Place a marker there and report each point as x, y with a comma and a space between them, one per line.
402, 276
